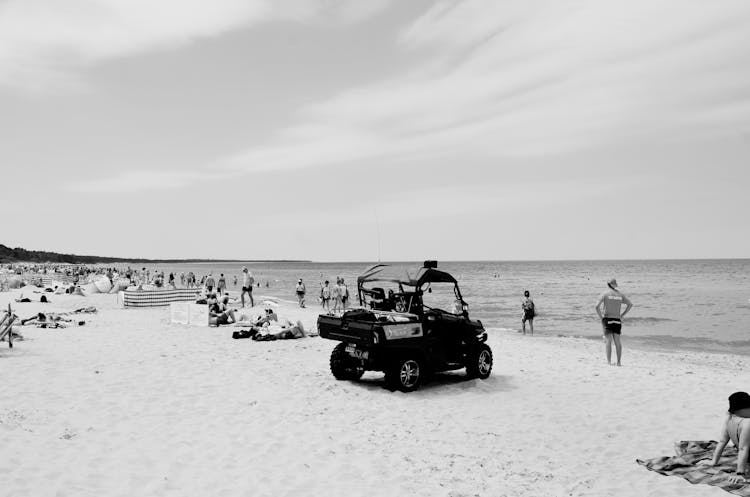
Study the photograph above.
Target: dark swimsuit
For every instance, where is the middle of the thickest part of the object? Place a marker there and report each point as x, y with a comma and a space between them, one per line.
612, 325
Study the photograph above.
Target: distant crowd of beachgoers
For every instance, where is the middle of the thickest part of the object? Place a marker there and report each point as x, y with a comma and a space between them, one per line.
137, 277
332, 298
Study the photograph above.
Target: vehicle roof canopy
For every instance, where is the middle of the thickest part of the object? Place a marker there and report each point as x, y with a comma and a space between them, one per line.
415, 278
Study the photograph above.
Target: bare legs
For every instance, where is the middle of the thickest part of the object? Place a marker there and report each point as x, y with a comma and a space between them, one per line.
249, 294
608, 347
531, 325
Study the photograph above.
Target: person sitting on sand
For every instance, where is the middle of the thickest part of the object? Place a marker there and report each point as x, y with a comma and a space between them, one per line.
737, 429
269, 316
220, 313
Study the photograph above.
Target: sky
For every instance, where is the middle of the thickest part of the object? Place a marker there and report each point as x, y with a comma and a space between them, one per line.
334, 130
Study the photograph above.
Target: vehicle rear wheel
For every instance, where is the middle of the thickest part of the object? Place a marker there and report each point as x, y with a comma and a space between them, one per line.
479, 362
344, 366
405, 374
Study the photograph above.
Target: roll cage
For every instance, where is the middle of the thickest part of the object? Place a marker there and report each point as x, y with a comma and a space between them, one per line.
385, 288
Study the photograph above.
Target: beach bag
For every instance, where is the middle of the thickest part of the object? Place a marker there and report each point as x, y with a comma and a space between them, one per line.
244, 334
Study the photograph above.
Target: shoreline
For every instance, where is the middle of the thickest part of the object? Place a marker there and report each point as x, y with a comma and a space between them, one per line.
659, 343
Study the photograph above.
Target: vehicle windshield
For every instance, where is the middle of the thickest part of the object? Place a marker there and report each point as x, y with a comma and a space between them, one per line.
442, 296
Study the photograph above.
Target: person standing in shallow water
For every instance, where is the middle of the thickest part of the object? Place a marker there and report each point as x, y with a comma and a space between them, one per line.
609, 309
529, 311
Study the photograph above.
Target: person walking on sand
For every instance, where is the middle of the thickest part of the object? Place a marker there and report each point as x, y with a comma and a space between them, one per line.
210, 283
221, 285
247, 286
529, 311
609, 309
300, 290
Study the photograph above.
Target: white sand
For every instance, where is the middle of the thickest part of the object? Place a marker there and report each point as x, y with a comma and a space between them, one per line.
130, 405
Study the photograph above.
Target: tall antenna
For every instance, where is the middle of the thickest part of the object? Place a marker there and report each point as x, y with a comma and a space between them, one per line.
377, 224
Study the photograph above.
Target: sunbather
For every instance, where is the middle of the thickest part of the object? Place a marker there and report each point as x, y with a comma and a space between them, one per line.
220, 313
22, 299
285, 330
737, 429
49, 320
269, 316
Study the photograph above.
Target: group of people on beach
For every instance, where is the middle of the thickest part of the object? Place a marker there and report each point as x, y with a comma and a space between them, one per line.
338, 294
332, 298
608, 308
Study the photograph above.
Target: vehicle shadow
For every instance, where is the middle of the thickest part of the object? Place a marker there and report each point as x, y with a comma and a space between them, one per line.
449, 381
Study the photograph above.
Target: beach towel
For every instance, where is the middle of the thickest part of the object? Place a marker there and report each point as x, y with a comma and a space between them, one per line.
83, 310
685, 465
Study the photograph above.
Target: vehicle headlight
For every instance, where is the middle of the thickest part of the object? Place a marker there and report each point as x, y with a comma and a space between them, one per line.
375, 338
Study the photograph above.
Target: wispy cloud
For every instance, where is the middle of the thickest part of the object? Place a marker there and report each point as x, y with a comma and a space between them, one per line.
491, 79
42, 42
142, 180
537, 78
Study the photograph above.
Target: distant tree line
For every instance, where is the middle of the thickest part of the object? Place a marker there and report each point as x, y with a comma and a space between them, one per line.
18, 254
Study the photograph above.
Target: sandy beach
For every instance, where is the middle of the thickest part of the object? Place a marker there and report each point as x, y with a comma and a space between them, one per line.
130, 404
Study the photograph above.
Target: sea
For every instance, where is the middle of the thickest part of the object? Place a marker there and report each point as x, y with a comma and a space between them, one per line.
699, 305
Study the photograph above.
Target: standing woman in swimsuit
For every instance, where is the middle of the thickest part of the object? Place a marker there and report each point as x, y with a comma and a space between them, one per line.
737, 429
527, 306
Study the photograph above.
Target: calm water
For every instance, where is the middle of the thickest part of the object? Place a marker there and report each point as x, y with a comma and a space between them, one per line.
700, 305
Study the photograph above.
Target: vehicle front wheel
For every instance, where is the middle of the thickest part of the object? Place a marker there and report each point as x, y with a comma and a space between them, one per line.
344, 366
405, 374
479, 362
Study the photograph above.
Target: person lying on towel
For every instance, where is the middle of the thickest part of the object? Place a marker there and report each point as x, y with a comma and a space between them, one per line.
49, 320
737, 429
281, 331
22, 299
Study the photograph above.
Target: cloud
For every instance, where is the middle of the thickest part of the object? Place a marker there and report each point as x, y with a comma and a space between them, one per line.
531, 78
43, 42
489, 80
143, 180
